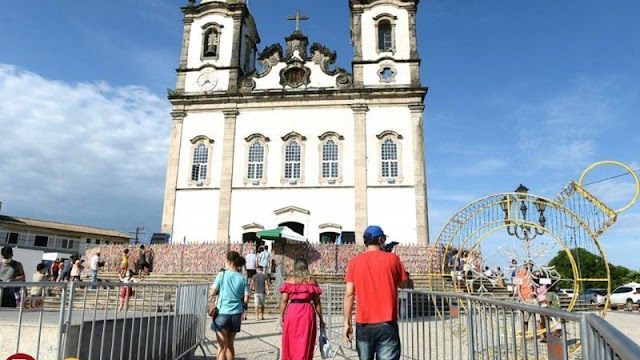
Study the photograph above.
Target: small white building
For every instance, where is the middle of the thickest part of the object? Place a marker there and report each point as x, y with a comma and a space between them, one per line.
296, 141
51, 236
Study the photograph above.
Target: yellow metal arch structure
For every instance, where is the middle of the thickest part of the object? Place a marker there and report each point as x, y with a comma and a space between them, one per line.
573, 213
631, 172
470, 226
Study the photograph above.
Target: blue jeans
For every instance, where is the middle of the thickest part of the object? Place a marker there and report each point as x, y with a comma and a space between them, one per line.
380, 339
94, 277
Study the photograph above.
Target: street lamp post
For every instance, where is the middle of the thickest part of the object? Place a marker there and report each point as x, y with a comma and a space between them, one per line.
520, 229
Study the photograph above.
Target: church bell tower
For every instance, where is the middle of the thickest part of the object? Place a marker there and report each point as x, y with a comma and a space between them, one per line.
383, 34
218, 46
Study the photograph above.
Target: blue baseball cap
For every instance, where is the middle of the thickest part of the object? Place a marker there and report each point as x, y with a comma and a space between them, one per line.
372, 232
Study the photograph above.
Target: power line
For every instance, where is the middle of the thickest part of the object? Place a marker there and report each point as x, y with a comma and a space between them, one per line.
611, 178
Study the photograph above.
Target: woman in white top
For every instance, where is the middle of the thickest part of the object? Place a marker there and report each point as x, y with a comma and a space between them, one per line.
76, 269
39, 276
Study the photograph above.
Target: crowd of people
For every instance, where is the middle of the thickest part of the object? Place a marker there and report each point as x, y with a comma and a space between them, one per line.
534, 287
301, 314
375, 275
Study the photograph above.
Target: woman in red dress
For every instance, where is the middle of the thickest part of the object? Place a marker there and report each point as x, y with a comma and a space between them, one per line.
299, 304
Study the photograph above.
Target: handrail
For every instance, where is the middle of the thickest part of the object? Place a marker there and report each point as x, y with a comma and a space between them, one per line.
597, 338
617, 340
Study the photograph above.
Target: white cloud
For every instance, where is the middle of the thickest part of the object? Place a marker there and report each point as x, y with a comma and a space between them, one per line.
483, 167
87, 153
614, 194
562, 132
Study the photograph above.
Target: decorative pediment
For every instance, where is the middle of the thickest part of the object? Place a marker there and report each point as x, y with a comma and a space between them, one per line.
295, 75
324, 57
385, 15
297, 46
252, 226
388, 133
295, 66
201, 138
291, 209
269, 58
330, 134
256, 136
330, 226
293, 135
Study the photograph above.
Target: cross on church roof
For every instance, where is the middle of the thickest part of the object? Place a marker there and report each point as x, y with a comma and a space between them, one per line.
297, 18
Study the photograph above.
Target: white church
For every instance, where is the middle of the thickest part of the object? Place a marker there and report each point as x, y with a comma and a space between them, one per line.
284, 137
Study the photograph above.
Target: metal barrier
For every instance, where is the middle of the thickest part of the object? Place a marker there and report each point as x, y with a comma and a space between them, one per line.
438, 325
103, 320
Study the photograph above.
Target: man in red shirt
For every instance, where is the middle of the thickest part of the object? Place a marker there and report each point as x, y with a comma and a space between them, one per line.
374, 277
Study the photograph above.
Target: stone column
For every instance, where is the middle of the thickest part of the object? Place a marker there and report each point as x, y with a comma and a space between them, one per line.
175, 144
356, 37
184, 54
234, 66
420, 181
414, 65
413, 37
356, 33
360, 167
226, 175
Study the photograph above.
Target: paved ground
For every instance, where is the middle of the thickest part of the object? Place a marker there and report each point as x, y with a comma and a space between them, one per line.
260, 340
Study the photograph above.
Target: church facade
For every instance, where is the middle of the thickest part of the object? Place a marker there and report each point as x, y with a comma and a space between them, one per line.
284, 137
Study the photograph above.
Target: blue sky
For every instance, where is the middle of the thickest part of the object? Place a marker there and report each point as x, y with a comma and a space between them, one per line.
520, 92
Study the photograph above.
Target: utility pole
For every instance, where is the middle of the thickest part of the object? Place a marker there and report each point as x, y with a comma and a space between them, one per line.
139, 231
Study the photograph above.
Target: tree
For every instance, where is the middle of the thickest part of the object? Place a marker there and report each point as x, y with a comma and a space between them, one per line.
592, 267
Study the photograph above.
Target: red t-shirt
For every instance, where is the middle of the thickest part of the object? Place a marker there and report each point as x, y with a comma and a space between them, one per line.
375, 276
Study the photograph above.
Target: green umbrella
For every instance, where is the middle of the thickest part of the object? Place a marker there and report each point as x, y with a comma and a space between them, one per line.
280, 233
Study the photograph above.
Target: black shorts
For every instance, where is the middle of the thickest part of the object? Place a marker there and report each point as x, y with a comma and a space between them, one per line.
250, 273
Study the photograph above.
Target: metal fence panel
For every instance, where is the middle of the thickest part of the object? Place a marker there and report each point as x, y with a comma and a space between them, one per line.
438, 325
103, 320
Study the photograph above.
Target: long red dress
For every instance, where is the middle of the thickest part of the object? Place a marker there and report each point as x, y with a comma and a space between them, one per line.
299, 327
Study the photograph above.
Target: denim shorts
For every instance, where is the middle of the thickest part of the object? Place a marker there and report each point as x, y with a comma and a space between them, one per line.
224, 322
380, 339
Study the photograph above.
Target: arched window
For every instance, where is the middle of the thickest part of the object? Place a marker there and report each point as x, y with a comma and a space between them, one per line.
293, 148
292, 160
328, 237
385, 36
255, 162
256, 151
330, 160
385, 32
200, 163
330, 150
389, 159
211, 43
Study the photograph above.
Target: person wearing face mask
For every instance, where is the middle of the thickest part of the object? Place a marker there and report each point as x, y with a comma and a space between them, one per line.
10, 270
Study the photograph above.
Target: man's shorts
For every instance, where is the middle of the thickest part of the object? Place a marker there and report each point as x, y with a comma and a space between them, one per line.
259, 299
230, 323
532, 302
250, 273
